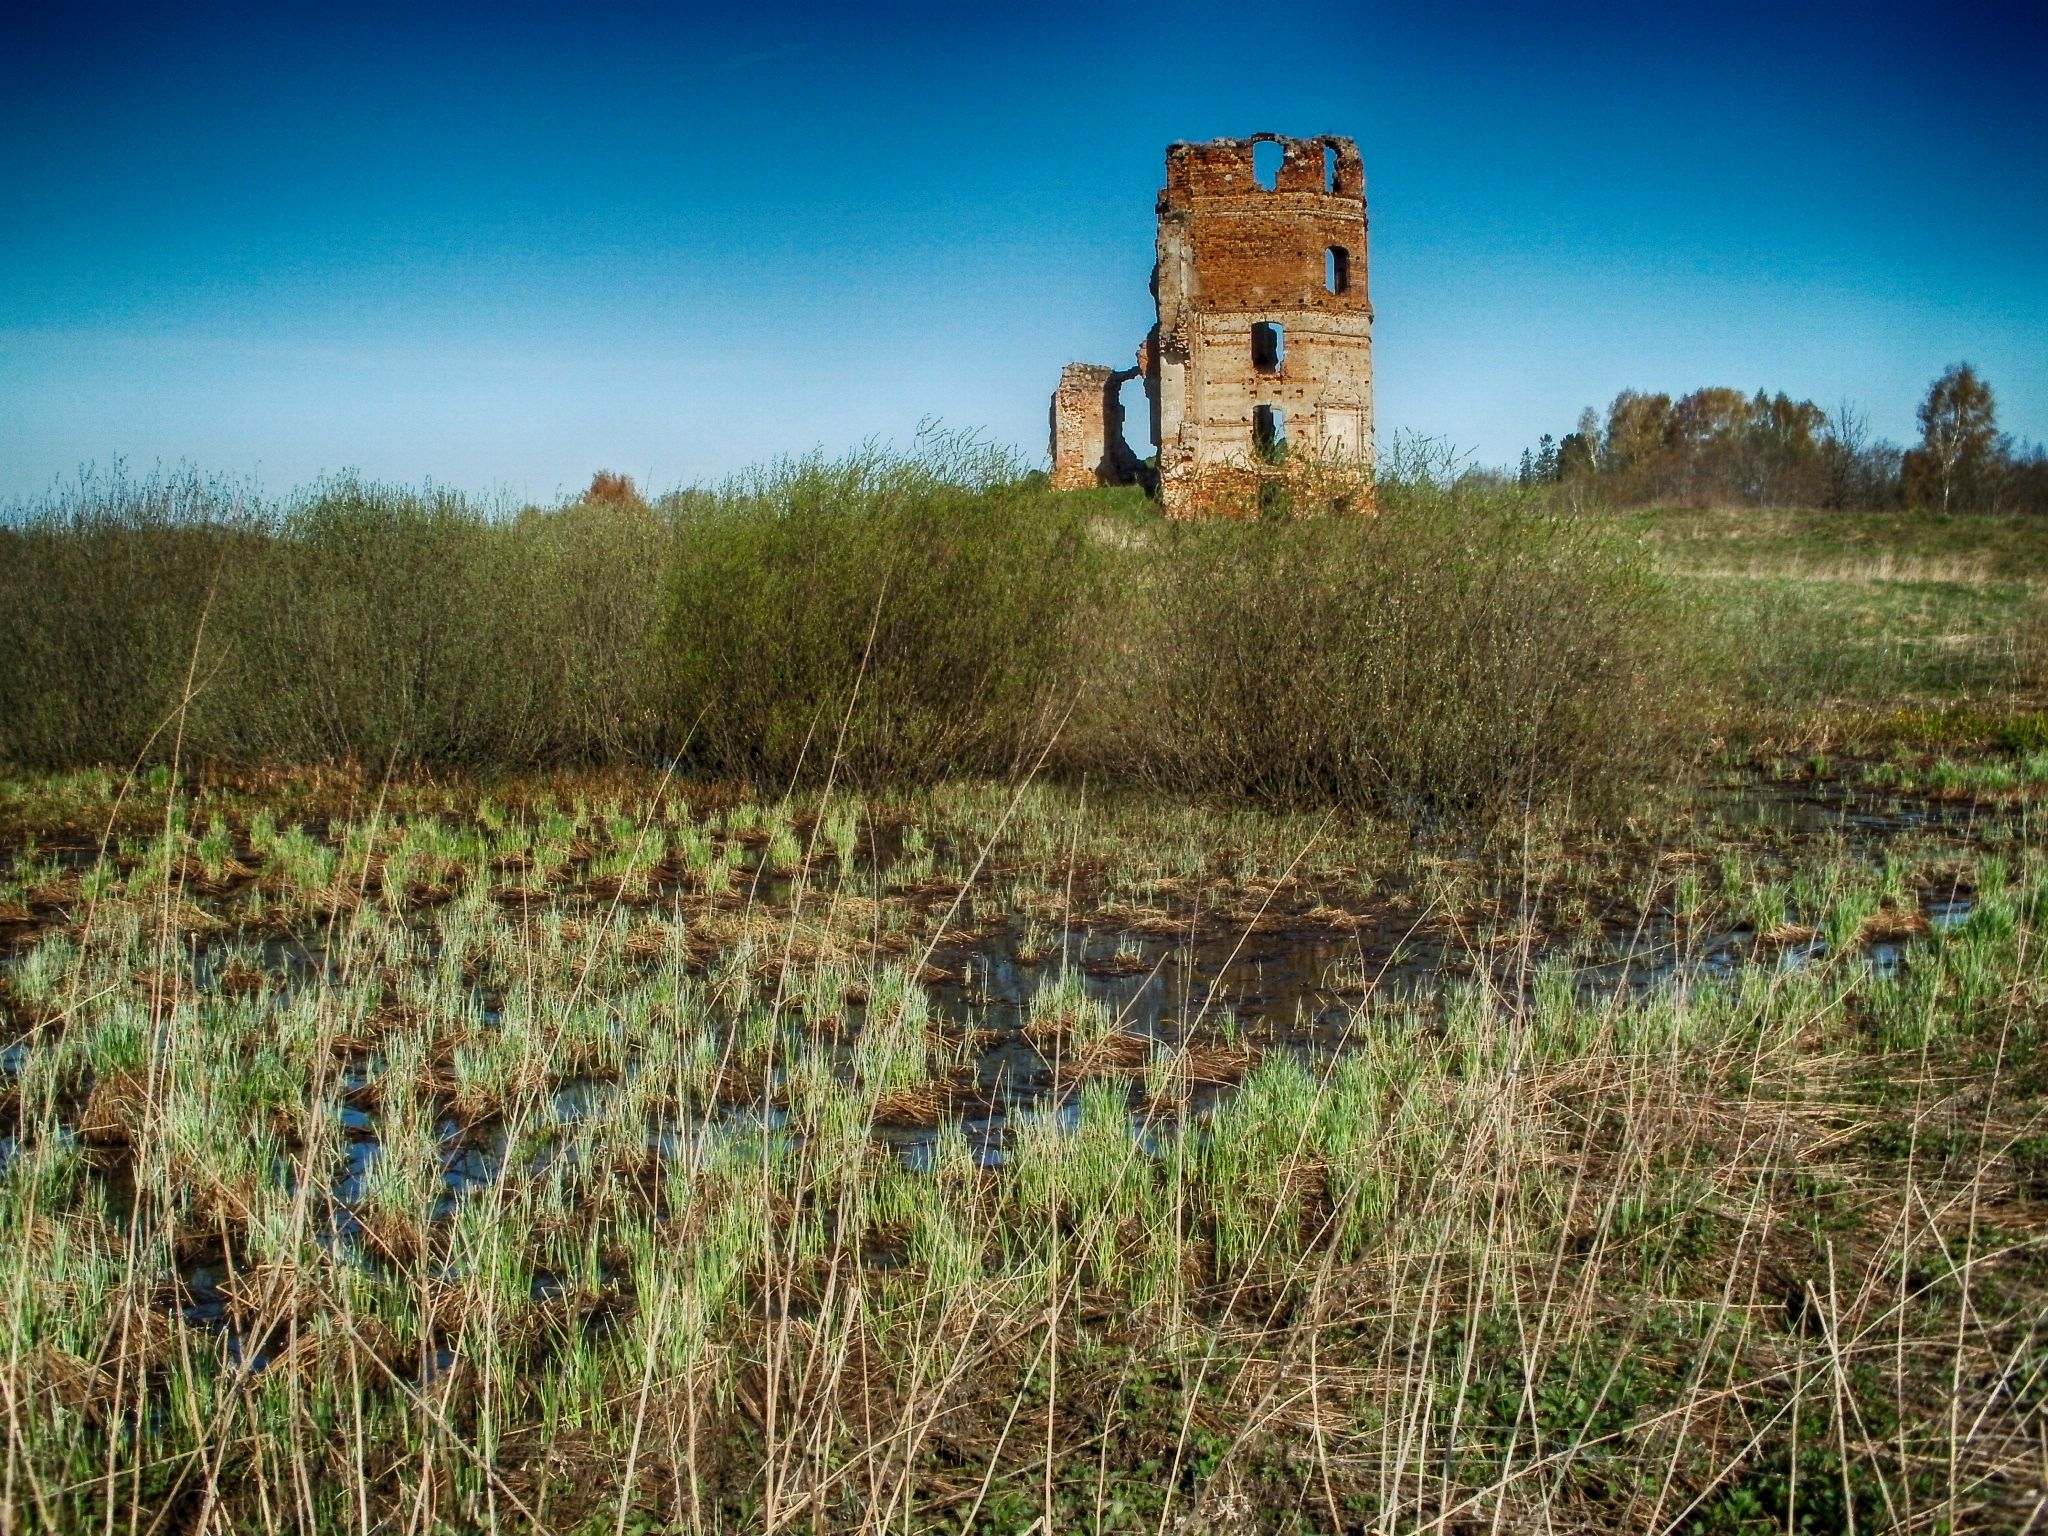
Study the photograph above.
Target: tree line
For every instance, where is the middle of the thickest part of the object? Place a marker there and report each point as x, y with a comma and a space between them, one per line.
1720, 446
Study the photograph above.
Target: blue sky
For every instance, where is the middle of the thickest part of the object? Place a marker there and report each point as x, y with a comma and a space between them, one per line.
503, 247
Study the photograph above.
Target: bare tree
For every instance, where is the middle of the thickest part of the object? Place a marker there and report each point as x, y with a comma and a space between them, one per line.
1845, 446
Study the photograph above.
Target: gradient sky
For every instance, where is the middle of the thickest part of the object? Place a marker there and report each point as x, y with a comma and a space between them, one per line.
503, 247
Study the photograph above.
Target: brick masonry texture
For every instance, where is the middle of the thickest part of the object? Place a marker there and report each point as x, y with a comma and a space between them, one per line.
1262, 356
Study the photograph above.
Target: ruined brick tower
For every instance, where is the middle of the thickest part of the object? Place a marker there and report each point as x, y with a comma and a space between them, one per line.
1261, 363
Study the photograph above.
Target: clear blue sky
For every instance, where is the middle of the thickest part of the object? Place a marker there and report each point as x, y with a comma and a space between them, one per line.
504, 246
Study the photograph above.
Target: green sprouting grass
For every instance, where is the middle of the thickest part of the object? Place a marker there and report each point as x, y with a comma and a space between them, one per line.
549, 1198
1973, 548
1798, 642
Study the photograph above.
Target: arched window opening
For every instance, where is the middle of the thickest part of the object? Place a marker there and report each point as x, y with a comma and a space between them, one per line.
1267, 156
1269, 346
1337, 269
1137, 407
1329, 167
1269, 434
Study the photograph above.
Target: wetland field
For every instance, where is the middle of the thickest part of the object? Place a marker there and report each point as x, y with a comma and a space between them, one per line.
1605, 1095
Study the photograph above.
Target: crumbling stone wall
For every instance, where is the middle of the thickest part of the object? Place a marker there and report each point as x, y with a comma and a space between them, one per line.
1088, 442
1259, 371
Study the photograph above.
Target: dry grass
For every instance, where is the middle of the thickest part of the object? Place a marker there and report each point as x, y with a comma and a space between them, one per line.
634, 1250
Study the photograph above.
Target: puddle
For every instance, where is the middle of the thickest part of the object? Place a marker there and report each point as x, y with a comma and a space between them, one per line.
1951, 913
1861, 815
1295, 983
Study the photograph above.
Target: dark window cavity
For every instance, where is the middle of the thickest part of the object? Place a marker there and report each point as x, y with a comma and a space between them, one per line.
1269, 433
1269, 347
1337, 269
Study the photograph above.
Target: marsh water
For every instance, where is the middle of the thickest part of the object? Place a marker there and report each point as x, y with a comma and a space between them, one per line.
1303, 975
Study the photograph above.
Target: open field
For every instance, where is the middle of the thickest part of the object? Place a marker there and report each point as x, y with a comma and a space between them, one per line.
1832, 621
1059, 1147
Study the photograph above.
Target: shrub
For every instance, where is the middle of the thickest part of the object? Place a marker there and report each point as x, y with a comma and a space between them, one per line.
923, 604
104, 590
357, 623
1463, 652
416, 628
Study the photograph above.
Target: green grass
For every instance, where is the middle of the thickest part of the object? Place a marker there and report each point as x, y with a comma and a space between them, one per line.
1864, 624
634, 1250
1972, 548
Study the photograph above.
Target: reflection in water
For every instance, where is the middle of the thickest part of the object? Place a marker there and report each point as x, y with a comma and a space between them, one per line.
1303, 983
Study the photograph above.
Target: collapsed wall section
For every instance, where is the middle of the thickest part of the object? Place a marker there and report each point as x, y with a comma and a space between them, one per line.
1088, 443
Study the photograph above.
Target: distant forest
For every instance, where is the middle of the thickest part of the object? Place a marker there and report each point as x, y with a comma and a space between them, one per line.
1722, 447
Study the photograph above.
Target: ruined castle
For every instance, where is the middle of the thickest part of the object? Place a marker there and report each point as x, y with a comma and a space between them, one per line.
1262, 354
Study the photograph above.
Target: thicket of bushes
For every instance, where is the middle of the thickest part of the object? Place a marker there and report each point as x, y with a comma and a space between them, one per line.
914, 617
909, 617
1458, 651
354, 622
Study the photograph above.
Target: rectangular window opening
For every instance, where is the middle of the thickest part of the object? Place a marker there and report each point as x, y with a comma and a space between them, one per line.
1337, 269
1269, 434
1269, 346
1267, 157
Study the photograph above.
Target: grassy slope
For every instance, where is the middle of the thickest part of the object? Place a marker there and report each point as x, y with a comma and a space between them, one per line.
1824, 619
